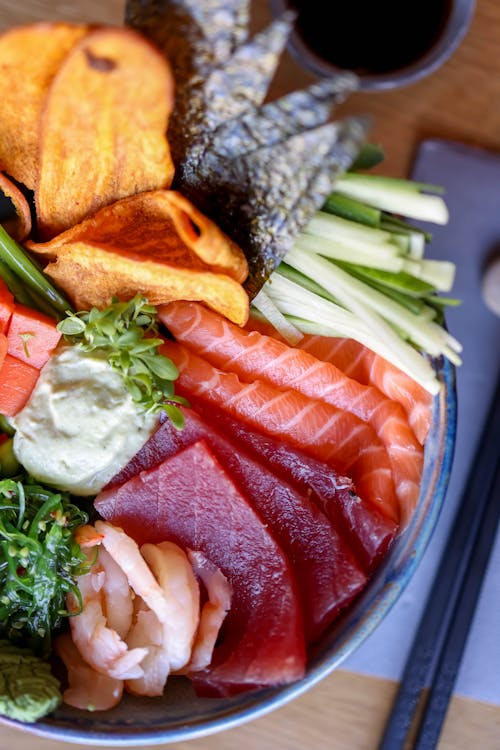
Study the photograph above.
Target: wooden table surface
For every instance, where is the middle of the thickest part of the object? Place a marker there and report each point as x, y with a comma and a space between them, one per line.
460, 101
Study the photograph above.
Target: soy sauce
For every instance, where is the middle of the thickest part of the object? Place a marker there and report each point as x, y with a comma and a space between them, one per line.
370, 36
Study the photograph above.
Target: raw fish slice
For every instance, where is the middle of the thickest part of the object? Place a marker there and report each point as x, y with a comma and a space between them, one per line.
326, 433
326, 571
369, 531
194, 503
254, 356
369, 368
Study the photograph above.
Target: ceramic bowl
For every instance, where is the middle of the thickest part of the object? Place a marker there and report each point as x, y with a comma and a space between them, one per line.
180, 715
453, 29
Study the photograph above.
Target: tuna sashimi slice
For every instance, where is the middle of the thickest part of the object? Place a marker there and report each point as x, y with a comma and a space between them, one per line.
326, 571
369, 531
368, 368
189, 499
329, 434
252, 355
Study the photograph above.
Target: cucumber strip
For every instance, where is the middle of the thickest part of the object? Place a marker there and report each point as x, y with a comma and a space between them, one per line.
439, 273
264, 304
425, 334
392, 223
417, 245
304, 281
324, 224
441, 302
376, 182
5, 426
369, 155
371, 257
402, 241
353, 210
394, 197
402, 282
322, 317
415, 304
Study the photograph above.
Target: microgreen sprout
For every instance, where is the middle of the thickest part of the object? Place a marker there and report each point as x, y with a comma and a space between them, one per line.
127, 333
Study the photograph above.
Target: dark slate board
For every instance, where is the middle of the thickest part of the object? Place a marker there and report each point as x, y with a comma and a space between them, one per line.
471, 177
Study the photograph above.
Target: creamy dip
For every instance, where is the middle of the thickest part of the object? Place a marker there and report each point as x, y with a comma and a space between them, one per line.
80, 425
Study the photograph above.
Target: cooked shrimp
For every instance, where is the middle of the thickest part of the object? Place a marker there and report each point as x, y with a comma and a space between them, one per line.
87, 689
86, 536
116, 592
98, 644
213, 612
147, 631
182, 593
126, 554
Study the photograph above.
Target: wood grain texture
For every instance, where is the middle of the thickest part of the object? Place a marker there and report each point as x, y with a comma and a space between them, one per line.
344, 712
460, 101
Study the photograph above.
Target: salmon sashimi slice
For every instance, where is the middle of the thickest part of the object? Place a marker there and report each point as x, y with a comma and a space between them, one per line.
338, 437
368, 532
189, 499
254, 355
326, 571
368, 368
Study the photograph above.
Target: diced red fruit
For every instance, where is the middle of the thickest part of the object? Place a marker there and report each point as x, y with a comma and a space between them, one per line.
17, 380
369, 532
190, 500
32, 336
7, 305
326, 571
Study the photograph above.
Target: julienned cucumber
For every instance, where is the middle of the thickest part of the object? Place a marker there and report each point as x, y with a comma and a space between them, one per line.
357, 270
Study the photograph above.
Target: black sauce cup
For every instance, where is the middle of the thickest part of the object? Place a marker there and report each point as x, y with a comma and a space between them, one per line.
387, 43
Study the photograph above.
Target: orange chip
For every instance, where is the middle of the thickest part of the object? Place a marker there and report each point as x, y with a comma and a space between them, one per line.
155, 223
29, 59
19, 226
145, 244
103, 129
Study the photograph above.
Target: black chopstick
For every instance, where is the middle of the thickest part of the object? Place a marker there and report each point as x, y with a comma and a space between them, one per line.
439, 643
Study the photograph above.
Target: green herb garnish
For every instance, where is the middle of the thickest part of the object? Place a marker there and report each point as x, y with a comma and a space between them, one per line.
126, 333
39, 560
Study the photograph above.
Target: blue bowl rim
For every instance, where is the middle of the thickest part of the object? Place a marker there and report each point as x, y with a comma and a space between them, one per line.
390, 579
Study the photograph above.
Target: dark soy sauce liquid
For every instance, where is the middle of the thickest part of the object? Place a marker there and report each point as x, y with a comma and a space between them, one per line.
370, 36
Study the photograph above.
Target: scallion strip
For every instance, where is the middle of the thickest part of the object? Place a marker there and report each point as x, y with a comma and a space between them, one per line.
14, 256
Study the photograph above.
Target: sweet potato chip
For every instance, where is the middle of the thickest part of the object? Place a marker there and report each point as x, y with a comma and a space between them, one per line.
146, 244
103, 129
29, 59
156, 223
18, 226
92, 276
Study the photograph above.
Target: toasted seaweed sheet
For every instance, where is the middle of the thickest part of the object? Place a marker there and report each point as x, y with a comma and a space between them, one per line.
260, 170
264, 198
278, 120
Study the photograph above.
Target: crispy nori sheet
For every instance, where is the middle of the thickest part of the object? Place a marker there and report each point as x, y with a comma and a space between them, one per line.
263, 199
259, 170
278, 120
231, 91
206, 31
